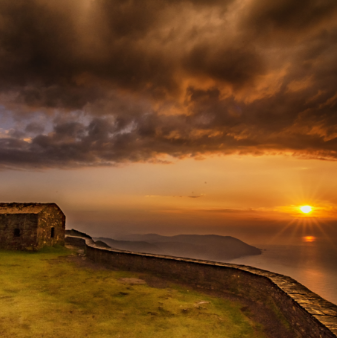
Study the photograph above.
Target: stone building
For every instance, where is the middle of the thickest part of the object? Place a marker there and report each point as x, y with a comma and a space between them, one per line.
31, 226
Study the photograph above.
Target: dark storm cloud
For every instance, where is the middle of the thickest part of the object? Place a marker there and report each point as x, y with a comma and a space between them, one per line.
126, 81
285, 17
236, 65
55, 52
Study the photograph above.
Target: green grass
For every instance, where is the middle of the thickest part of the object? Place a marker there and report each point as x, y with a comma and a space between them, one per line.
42, 295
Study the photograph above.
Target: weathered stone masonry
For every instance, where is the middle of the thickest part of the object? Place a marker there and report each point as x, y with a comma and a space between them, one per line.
310, 315
30, 226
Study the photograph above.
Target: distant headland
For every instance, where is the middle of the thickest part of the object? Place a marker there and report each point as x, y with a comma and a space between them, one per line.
208, 247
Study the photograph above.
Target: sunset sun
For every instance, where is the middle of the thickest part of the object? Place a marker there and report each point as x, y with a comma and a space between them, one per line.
306, 209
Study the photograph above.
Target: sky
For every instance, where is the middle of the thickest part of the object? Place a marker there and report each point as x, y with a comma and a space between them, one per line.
181, 116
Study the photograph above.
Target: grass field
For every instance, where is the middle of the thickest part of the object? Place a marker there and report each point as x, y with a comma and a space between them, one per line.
44, 294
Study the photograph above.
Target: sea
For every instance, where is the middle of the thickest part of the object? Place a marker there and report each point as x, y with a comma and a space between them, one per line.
313, 263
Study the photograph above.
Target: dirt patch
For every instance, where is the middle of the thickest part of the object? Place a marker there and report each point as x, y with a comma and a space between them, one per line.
155, 282
132, 281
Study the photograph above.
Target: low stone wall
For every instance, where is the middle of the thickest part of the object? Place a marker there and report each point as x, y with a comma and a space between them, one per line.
308, 314
77, 241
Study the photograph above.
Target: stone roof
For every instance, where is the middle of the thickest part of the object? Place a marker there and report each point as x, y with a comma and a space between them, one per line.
23, 208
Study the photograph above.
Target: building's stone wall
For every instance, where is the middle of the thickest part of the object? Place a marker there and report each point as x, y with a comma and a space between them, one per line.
50, 217
27, 226
308, 314
31, 226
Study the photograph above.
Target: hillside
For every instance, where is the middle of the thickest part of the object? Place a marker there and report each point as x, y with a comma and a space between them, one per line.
209, 247
58, 293
136, 246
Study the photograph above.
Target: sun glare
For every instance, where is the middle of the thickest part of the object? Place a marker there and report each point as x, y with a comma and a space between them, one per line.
306, 209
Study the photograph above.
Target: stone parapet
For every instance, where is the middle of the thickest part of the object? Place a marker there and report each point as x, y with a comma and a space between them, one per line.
308, 314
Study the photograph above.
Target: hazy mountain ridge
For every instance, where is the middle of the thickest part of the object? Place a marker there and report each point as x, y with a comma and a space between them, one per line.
209, 247
138, 246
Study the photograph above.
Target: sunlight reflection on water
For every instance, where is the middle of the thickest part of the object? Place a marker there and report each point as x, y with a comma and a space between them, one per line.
309, 238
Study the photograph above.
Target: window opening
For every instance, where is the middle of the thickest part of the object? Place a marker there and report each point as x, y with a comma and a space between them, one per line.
52, 232
17, 233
